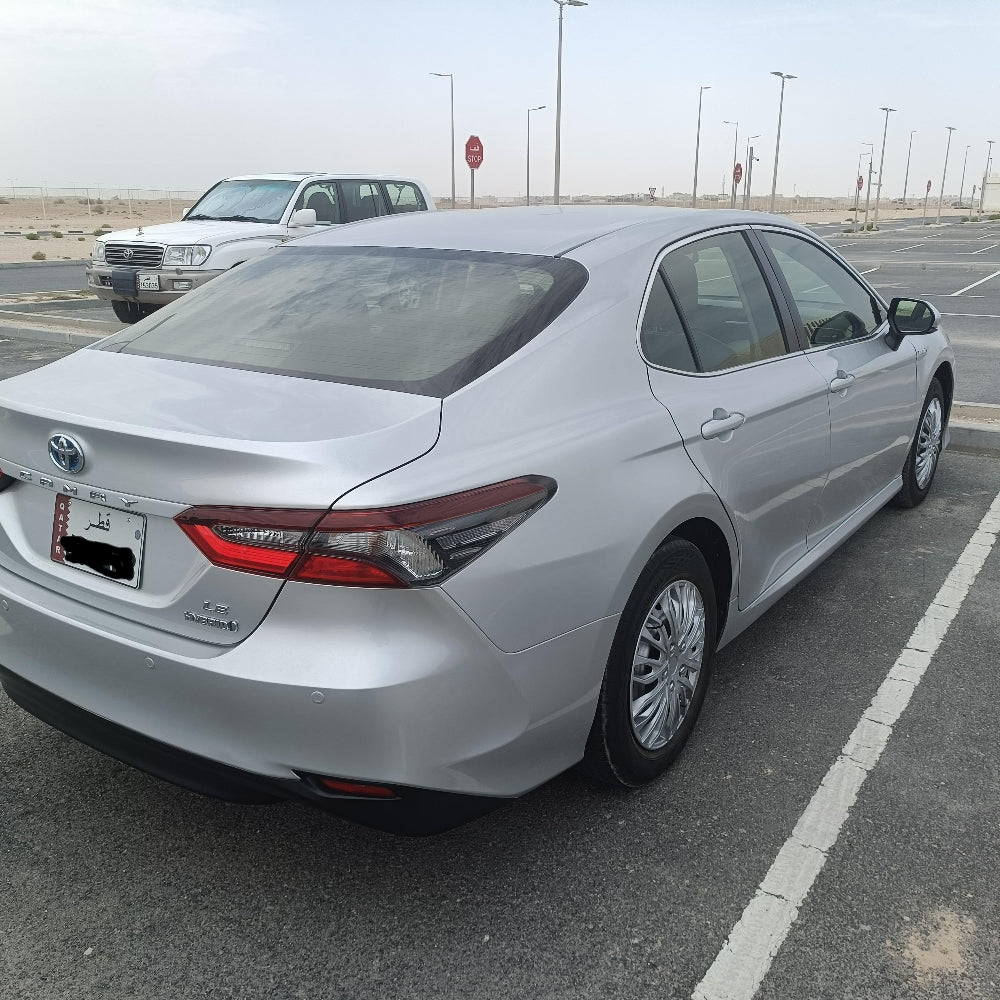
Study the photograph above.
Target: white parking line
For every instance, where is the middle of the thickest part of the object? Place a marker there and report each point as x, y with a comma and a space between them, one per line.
842, 245
975, 284
740, 967
869, 271
914, 247
981, 250
973, 315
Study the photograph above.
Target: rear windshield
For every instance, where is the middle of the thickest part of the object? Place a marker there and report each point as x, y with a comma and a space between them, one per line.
420, 321
245, 201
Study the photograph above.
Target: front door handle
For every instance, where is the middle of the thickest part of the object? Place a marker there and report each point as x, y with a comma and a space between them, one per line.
841, 382
722, 423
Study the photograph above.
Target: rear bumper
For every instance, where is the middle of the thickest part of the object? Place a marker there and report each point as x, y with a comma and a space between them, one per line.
412, 811
391, 687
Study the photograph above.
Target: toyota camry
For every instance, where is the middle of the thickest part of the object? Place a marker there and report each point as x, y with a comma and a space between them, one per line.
407, 517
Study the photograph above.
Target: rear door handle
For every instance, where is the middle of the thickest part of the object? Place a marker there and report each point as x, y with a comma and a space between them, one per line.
722, 423
841, 382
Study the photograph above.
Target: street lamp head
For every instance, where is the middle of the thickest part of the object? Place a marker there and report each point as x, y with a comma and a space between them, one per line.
784, 76
539, 108
443, 74
887, 110
571, 3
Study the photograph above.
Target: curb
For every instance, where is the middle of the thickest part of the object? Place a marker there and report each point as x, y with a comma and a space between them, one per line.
973, 438
46, 263
72, 338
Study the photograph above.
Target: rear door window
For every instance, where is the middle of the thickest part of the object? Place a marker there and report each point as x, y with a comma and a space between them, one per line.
361, 200
724, 302
422, 321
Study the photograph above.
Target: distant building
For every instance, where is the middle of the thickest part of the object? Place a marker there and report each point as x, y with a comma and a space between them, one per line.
991, 197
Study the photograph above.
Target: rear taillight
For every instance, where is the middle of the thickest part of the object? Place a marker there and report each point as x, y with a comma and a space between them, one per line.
412, 545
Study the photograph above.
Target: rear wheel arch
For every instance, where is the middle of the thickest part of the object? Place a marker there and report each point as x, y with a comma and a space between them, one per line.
711, 541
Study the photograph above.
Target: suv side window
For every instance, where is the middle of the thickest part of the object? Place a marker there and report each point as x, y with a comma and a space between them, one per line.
404, 197
832, 304
724, 303
361, 200
322, 197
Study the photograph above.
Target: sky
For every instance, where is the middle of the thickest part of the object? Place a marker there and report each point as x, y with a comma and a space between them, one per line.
178, 93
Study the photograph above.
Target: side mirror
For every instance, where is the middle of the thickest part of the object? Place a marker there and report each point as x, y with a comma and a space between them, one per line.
910, 318
184, 211
302, 217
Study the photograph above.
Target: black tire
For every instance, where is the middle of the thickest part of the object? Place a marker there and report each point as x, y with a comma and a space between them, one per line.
127, 312
616, 755
926, 443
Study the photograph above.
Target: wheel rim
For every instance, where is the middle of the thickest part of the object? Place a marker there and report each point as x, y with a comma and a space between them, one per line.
928, 443
667, 664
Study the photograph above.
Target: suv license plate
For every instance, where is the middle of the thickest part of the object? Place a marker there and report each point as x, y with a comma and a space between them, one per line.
103, 541
148, 282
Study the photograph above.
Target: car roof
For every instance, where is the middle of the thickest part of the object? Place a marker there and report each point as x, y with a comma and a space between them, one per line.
301, 175
548, 230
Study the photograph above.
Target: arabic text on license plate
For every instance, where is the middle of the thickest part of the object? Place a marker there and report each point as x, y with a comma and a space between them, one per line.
149, 282
103, 541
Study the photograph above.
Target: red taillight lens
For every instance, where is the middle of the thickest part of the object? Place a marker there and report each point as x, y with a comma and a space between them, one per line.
416, 544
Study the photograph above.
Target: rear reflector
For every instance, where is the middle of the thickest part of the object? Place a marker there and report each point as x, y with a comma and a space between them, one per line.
411, 545
359, 788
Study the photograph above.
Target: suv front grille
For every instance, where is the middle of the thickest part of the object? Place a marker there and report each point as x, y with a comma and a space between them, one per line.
133, 254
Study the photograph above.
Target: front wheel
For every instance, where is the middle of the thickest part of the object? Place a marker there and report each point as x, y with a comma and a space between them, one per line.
658, 669
925, 449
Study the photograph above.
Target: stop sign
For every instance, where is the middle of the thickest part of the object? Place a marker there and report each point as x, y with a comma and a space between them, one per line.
861, 182
474, 152
738, 173
928, 187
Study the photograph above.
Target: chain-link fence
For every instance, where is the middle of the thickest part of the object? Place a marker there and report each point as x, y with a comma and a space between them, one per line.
51, 204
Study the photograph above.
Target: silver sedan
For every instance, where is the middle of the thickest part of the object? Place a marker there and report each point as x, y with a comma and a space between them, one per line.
405, 518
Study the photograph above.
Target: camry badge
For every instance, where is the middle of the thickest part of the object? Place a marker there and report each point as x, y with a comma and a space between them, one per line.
66, 454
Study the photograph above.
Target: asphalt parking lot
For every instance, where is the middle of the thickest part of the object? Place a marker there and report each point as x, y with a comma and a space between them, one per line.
957, 267
115, 885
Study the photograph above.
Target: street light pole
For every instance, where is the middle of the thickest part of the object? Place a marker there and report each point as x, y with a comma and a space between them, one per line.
777, 140
732, 169
857, 190
986, 175
868, 193
561, 4
697, 144
907, 177
881, 163
749, 172
944, 172
961, 187
451, 78
527, 175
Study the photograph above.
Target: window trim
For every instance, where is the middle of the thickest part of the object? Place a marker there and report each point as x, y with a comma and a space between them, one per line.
784, 316
798, 325
384, 185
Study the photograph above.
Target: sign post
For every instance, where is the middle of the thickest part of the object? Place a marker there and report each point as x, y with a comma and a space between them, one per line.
926, 196
857, 198
474, 157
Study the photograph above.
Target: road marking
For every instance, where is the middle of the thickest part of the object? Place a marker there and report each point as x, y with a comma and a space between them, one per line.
981, 250
740, 967
914, 247
842, 245
974, 315
975, 283
869, 271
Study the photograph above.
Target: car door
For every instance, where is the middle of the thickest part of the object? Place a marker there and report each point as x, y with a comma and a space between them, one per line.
872, 389
752, 413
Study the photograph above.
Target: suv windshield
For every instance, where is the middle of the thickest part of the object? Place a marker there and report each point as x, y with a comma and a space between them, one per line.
245, 201
421, 321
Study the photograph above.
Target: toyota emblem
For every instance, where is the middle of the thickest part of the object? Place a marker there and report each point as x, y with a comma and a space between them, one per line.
127, 253
66, 454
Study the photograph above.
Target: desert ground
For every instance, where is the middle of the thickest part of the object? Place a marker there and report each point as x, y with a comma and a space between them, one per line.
78, 222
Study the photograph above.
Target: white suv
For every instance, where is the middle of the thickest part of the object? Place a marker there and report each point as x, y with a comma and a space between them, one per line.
139, 270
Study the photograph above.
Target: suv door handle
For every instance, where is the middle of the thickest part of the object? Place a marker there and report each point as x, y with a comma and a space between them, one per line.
722, 423
841, 382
